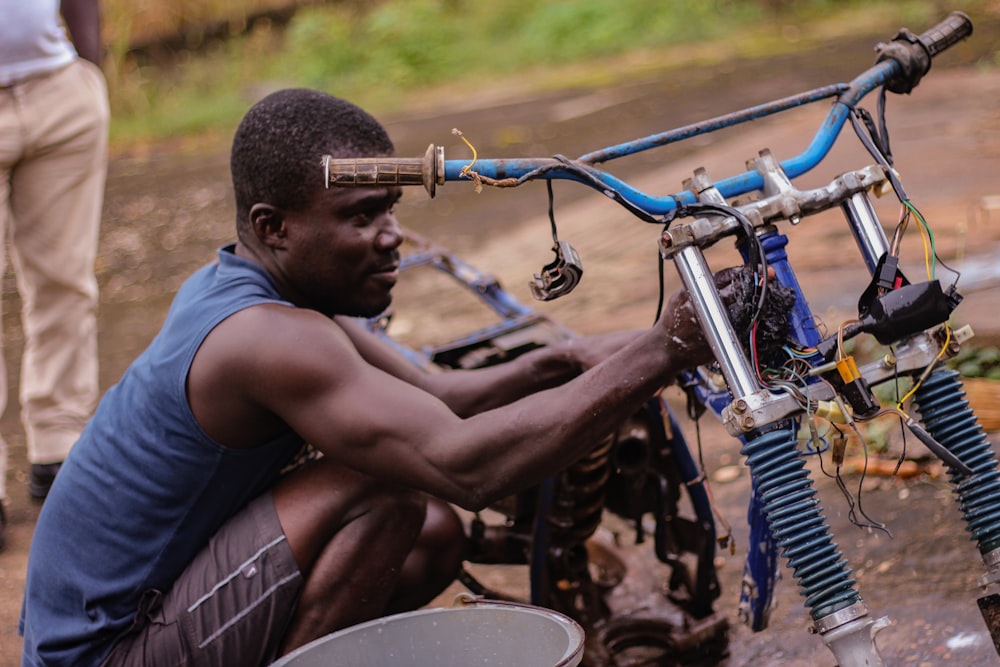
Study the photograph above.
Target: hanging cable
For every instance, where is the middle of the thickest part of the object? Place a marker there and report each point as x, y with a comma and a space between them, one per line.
876, 142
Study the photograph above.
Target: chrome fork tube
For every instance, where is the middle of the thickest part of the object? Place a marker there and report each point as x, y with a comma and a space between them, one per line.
714, 319
867, 229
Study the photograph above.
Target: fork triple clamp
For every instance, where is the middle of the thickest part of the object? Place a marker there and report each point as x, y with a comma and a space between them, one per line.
780, 201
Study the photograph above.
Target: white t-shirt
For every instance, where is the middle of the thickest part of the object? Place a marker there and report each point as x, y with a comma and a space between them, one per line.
32, 39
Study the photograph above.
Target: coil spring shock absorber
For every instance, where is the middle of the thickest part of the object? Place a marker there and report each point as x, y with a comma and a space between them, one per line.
559, 554
947, 416
580, 496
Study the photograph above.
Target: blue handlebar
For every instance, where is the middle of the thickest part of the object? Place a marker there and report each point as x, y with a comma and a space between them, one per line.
847, 95
901, 64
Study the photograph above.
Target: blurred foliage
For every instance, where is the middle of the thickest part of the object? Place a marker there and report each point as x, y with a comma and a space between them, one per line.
977, 362
137, 22
192, 67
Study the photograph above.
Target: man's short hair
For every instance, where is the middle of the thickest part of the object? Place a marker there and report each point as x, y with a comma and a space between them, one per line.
277, 150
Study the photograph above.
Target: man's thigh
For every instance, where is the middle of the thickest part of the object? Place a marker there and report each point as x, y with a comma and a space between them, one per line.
231, 606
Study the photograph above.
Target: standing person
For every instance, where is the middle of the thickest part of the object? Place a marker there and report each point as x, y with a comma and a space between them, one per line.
173, 536
53, 161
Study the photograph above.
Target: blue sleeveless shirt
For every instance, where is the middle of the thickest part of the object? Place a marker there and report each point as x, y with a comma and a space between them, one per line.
145, 487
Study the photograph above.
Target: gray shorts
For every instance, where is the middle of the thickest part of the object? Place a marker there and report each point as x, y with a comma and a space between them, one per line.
231, 606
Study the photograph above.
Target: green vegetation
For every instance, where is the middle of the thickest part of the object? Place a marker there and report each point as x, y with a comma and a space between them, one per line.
393, 54
977, 362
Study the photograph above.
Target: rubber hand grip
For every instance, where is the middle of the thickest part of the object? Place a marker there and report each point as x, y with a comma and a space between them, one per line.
364, 171
427, 171
914, 53
956, 27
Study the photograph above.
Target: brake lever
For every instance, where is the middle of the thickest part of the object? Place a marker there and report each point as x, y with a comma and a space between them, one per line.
558, 277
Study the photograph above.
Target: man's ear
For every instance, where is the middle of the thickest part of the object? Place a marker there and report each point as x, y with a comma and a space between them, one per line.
268, 224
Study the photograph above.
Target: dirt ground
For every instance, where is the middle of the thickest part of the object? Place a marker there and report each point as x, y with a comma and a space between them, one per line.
167, 212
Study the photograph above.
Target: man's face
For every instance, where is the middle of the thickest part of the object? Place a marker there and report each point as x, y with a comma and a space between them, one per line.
342, 255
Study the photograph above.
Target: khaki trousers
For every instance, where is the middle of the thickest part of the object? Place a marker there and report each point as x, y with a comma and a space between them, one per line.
53, 165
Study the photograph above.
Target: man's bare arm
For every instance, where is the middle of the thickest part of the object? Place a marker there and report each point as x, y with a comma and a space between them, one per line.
468, 392
83, 19
271, 364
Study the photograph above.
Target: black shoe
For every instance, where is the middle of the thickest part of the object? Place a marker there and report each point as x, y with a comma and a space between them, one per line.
3, 524
42, 476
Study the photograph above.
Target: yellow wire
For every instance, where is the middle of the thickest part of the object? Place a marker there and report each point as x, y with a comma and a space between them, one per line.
928, 241
475, 155
920, 380
840, 337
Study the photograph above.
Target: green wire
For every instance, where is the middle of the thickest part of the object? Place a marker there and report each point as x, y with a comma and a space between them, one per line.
932, 255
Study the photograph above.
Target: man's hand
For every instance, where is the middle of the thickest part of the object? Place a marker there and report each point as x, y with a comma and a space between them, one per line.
680, 324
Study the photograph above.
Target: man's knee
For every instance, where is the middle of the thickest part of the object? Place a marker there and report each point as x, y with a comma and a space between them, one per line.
324, 487
400, 506
319, 502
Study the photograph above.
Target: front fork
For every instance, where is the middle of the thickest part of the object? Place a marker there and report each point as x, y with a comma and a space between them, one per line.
782, 486
789, 511
784, 509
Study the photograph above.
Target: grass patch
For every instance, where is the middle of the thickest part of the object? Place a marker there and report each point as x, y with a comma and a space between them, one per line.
392, 55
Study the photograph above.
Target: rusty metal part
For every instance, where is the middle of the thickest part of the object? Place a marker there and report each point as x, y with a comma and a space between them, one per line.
989, 607
646, 640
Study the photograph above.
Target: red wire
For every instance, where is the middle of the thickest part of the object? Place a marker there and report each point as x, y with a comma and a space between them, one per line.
753, 352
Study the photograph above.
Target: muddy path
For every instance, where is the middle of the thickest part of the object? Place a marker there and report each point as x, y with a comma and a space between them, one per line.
168, 212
